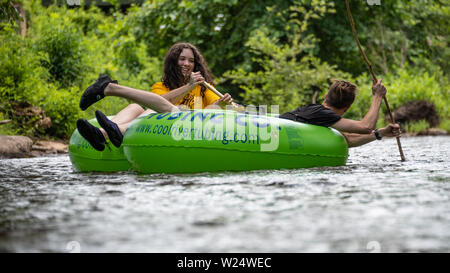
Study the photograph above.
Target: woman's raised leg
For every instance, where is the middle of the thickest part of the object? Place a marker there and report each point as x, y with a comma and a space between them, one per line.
151, 100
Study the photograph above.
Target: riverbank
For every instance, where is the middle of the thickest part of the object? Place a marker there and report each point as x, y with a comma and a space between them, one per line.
429, 132
25, 147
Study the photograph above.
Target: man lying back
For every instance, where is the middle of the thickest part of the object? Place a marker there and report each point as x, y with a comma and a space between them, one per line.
338, 100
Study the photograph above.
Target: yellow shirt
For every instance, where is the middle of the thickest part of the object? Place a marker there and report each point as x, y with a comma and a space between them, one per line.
189, 99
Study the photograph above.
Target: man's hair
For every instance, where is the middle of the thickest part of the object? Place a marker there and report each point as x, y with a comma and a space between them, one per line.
341, 94
173, 78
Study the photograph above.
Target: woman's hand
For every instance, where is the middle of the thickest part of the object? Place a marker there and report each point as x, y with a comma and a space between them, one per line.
225, 100
196, 78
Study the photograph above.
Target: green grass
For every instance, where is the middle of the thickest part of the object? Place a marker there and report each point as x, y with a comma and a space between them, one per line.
445, 124
7, 129
416, 126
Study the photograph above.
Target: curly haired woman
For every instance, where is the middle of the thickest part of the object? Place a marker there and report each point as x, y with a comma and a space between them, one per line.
185, 71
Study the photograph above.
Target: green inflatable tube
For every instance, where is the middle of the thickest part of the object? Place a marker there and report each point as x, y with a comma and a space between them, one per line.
216, 140
85, 158
212, 140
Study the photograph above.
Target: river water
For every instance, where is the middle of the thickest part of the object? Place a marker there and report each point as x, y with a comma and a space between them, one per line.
373, 204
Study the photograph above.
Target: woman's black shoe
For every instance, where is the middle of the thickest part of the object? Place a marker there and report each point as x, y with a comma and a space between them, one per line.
92, 134
95, 91
111, 128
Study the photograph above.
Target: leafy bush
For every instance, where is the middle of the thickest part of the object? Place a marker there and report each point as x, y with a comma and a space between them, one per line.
289, 74
20, 66
24, 80
70, 49
8, 12
445, 124
61, 42
21, 79
8, 128
404, 85
63, 109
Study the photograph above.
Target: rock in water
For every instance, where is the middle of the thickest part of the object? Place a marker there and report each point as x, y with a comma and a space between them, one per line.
43, 147
15, 146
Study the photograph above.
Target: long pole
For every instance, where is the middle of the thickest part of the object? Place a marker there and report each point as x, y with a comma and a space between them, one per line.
374, 78
210, 87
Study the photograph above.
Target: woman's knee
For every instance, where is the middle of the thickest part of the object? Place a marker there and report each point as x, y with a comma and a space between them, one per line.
128, 113
147, 112
133, 109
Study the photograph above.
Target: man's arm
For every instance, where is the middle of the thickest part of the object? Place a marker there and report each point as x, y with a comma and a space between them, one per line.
355, 140
368, 123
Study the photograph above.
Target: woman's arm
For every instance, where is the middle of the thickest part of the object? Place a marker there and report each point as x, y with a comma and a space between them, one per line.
176, 94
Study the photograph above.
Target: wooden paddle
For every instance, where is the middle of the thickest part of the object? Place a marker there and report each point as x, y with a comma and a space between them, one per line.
374, 78
236, 107
210, 87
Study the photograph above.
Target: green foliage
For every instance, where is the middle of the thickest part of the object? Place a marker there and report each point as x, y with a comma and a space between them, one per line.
127, 57
405, 85
23, 79
64, 53
393, 34
445, 124
63, 109
19, 65
417, 126
7, 12
269, 51
62, 44
289, 74
57, 33
219, 28
8, 128
20, 78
